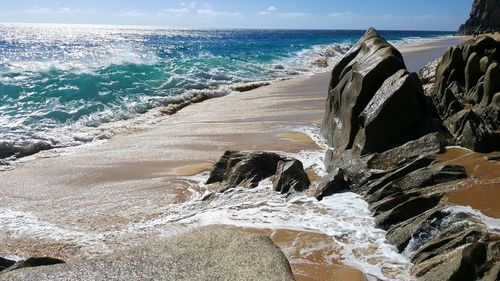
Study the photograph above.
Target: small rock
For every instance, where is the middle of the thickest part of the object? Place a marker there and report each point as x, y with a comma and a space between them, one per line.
6, 263
331, 184
34, 262
290, 175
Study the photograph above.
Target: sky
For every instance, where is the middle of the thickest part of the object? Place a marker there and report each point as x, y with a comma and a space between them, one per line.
444, 15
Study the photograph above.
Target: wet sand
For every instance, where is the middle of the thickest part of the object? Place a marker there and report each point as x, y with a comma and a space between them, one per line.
129, 178
482, 190
312, 256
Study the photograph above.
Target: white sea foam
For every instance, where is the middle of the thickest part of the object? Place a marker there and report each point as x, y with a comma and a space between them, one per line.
20, 224
344, 217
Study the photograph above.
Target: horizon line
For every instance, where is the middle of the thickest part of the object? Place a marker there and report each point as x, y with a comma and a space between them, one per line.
211, 28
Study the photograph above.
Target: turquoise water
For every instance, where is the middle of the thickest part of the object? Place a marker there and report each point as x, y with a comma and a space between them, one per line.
57, 79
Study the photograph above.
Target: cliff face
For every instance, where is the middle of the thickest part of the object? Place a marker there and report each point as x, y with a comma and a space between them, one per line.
484, 18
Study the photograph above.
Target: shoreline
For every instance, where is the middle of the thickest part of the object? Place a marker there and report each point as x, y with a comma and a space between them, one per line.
414, 51
112, 182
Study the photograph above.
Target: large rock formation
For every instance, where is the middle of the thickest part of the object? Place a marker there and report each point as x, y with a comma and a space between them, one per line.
484, 17
385, 134
466, 93
374, 103
214, 254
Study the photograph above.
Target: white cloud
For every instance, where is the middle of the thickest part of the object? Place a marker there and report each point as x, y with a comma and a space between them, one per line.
213, 13
341, 14
267, 11
175, 11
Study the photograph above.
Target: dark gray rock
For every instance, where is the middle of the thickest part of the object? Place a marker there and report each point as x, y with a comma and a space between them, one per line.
464, 90
401, 233
210, 254
405, 168
430, 144
372, 92
236, 168
290, 175
6, 263
460, 267
484, 18
247, 169
34, 262
409, 208
331, 184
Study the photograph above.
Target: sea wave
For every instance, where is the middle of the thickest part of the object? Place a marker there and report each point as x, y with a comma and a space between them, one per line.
64, 86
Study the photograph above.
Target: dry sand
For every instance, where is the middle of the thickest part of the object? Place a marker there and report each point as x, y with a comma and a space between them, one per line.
99, 188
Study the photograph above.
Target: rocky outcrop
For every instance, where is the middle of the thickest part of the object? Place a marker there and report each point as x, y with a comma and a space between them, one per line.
247, 169
466, 93
385, 134
373, 103
211, 254
484, 18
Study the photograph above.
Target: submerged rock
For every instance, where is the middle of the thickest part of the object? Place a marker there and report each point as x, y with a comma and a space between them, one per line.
210, 254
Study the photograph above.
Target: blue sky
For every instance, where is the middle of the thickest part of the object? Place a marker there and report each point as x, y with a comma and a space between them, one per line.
325, 14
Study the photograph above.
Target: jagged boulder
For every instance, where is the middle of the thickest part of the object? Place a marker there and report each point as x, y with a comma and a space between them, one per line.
331, 184
290, 175
464, 93
373, 103
484, 17
247, 169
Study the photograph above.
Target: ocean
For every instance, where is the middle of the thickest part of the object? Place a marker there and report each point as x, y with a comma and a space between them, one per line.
56, 81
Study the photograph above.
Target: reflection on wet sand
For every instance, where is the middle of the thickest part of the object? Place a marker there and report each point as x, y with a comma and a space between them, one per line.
312, 256
482, 190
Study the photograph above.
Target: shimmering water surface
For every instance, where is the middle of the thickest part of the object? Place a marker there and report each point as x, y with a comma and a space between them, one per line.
57, 79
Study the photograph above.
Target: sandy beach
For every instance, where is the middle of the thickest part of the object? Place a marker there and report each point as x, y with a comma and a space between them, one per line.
112, 186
